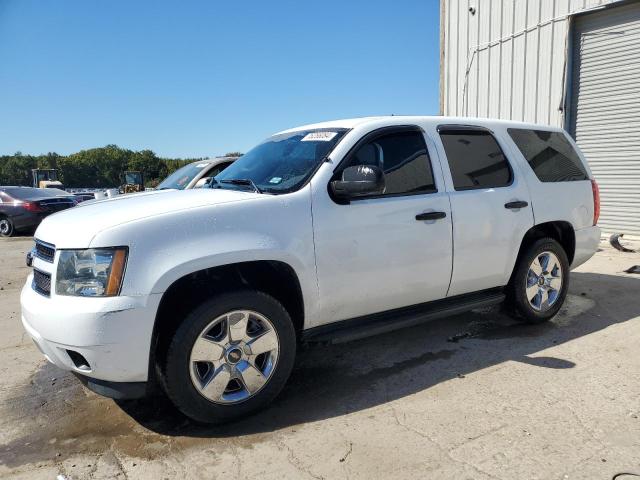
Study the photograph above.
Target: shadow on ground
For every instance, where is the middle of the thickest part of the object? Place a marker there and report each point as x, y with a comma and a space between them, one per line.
326, 382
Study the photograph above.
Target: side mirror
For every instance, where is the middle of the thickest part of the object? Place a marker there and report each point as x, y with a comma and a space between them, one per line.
359, 181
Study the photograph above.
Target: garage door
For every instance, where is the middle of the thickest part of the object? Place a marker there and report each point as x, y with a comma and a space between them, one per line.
605, 109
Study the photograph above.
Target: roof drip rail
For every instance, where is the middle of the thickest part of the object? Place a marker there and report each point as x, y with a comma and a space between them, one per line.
462, 127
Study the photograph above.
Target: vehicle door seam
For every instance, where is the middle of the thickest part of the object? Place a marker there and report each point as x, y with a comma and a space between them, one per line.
313, 239
445, 191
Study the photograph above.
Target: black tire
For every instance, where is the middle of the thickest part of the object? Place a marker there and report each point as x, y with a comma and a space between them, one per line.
177, 380
6, 227
516, 290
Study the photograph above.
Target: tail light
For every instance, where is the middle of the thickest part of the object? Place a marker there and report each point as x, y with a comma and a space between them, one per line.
596, 201
33, 207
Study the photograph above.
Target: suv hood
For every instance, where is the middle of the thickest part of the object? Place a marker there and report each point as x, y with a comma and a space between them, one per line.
76, 227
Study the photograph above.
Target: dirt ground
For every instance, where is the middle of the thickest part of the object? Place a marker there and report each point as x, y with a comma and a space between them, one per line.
475, 396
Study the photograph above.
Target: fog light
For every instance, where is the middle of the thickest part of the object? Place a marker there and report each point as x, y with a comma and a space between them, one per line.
79, 361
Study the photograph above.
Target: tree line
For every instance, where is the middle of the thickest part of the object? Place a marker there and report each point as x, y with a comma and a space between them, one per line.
94, 168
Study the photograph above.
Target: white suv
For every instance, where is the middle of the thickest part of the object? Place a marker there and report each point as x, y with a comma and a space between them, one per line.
326, 232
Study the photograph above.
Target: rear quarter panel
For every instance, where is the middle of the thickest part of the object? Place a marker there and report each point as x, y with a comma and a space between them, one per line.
570, 202
556, 201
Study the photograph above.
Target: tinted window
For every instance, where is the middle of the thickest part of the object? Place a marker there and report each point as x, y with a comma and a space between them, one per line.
475, 160
550, 155
205, 181
404, 159
217, 169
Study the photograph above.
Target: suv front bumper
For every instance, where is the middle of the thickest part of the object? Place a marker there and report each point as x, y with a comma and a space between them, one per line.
112, 334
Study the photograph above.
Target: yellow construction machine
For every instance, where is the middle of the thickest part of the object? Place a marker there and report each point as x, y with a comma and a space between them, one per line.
133, 182
46, 178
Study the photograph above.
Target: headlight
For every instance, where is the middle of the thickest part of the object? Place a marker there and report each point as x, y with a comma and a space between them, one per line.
94, 272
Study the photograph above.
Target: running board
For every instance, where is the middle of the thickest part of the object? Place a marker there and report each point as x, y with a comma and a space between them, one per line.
377, 323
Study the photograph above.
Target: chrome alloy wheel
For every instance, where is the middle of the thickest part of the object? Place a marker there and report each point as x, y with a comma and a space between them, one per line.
234, 356
544, 281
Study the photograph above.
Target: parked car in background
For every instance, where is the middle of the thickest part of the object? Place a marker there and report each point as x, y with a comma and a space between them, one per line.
83, 196
23, 208
322, 233
196, 174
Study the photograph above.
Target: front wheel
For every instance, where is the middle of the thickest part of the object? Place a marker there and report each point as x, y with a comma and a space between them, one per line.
230, 357
540, 281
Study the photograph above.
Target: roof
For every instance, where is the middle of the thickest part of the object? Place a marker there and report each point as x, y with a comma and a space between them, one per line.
344, 123
403, 119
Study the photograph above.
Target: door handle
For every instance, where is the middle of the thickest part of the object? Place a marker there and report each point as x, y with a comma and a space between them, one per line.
516, 204
431, 216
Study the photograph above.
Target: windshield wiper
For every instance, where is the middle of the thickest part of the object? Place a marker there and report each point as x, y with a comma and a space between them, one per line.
242, 181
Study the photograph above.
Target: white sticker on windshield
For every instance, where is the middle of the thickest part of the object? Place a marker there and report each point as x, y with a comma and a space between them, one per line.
275, 180
319, 137
201, 165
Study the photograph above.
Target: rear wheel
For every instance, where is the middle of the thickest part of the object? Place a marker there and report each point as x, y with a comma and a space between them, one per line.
6, 227
540, 281
230, 357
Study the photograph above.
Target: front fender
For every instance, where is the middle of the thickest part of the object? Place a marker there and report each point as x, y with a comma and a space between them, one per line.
164, 248
229, 258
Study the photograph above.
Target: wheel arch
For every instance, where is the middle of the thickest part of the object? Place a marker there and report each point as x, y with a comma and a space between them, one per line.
273, 277
561, 231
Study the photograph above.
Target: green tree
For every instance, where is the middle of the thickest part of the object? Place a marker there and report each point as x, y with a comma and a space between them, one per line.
16, 169
101, 167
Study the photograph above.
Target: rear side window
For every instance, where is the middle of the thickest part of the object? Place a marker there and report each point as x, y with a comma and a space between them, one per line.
550, 155
217, 169
475, 160
404, 159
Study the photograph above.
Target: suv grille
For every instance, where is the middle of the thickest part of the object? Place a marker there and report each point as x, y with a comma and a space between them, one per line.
41, 282
45, 251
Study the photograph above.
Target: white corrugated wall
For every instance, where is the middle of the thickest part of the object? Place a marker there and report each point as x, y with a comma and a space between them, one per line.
513, 59
605, 109
508, 59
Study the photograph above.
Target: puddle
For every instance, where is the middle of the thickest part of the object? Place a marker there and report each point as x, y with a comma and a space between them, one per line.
57, 418
574, 306
498, 326
60, 418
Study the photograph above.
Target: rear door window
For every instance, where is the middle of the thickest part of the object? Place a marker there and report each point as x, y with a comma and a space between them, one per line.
475, 159
549, 154
217, 169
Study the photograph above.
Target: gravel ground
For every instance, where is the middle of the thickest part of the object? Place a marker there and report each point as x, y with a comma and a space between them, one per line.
475, 396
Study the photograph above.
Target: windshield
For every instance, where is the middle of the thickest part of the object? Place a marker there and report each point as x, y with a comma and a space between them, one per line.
282, 163
181, 177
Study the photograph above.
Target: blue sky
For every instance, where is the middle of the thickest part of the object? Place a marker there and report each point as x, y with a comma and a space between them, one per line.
200, 78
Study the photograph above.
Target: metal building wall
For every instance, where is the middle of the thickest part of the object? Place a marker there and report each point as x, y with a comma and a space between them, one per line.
604, 117
508, 59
